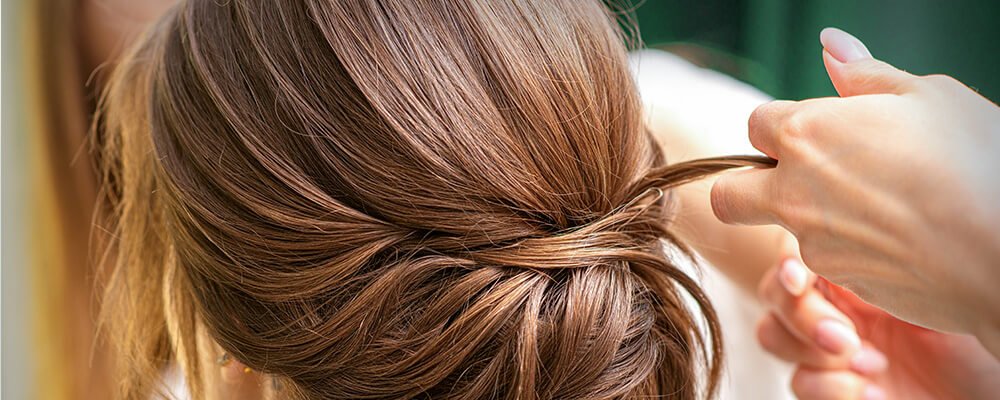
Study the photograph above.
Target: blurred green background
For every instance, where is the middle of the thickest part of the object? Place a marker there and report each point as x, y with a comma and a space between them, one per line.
774, 44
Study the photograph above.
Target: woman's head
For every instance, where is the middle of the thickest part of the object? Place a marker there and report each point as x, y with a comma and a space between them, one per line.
394, 199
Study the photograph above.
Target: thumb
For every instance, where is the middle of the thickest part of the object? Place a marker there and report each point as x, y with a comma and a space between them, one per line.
854, 72
741, 197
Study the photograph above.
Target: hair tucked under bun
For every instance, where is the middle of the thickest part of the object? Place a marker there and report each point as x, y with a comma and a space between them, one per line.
395, 199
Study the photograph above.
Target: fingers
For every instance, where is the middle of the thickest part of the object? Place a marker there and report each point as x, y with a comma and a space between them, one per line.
794, 276
805, 328
810, 316
868, 361
818, 384
765, 125
843, 46
745, 197
854, 72
780, 129
742, 197
774, 337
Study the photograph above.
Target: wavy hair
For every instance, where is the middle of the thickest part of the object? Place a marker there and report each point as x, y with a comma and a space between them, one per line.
398, 199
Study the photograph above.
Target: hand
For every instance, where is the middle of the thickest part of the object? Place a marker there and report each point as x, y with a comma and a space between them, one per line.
892, 190
845, 349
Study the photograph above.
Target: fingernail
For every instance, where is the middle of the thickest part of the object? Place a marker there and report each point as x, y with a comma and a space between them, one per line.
836, 337
869, 361
793, 276
873, 392
843, 46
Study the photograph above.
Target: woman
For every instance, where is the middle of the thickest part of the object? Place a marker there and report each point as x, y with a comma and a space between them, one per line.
402, 199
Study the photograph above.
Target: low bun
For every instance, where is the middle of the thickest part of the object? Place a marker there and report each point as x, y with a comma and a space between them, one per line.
397, 199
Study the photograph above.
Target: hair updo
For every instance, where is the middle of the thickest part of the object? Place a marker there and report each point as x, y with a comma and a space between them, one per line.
397, 199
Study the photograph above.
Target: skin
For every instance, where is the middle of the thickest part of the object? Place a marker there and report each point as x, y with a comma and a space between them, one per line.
912, 230
880, 361
743, 253
110, 26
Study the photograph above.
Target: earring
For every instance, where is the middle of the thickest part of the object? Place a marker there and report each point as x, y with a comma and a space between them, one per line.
225, 360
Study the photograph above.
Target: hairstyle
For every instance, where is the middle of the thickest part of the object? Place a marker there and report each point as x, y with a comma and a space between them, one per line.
396, 199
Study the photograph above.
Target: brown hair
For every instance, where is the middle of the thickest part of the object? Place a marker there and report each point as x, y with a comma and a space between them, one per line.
398, 199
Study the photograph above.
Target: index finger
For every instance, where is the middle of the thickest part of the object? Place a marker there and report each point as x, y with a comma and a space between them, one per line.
766, 123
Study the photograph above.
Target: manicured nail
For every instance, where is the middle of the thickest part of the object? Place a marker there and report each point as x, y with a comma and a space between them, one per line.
873, 392
836, 337
869, 361
843, 46
793, 276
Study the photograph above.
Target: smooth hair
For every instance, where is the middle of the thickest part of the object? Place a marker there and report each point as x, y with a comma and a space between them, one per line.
398, 199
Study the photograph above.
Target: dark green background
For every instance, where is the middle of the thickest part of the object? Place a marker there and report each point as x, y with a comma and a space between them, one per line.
774, 44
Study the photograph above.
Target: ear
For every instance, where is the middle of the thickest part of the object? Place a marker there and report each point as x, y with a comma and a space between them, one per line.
854, 72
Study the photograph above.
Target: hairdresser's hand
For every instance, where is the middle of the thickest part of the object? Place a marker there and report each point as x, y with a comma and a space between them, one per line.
846, 349
893, 190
